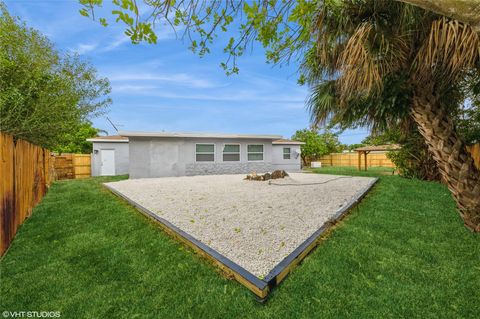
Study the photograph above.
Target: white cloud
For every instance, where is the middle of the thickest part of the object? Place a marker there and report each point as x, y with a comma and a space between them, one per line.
129, 88
237, 95
180, 79
115, 43
83, 48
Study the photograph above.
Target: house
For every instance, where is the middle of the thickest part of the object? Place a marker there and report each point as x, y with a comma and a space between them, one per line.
159, 154
110, 155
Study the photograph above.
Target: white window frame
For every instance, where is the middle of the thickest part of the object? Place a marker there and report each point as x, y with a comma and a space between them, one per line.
289, 153
263, 153
239, 152
214, 152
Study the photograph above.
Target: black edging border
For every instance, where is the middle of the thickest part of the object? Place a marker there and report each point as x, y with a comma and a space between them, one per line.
260, 284
272, 275
270, 280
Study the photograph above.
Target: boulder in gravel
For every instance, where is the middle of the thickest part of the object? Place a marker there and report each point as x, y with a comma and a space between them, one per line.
279, 174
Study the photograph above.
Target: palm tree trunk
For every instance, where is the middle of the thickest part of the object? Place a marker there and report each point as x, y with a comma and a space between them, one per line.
454, 162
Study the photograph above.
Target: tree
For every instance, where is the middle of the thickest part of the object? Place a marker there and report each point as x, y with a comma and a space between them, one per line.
433, 54
413, 160
76, 141
352, 147
387, 137
316, 145
43, 95
468, 124
361, 51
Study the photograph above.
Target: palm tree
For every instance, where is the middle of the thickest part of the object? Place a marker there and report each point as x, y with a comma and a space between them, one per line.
365, 50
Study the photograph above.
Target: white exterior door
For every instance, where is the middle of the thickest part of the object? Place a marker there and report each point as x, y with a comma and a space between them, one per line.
108, 162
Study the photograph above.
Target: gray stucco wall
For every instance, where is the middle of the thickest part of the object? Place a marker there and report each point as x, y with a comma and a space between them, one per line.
159, 157
290, 165
121, 157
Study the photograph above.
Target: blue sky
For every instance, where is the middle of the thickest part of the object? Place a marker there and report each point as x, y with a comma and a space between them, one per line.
167, 87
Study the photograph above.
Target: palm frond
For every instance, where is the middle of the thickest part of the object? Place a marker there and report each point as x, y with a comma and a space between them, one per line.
322, 103
451, 48
360, 74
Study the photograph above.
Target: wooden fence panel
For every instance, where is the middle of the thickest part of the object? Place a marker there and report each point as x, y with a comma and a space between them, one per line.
25, 175
70, 166
351, 159
7, 191
81, 165
26, 171
377, 159
63, 165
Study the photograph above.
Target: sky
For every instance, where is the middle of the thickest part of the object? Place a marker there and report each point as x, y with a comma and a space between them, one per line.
166, 87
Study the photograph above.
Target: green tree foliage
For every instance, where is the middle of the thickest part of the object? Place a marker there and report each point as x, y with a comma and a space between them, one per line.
76, 141
468, 123
44, 95
413, 160
391, 136
316, 144
352, 147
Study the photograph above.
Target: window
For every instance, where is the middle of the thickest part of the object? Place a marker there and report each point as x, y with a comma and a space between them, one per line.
231, 153
255, 152
205, 152
286, 152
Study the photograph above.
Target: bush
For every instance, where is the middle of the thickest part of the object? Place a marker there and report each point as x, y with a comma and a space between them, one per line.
414, 160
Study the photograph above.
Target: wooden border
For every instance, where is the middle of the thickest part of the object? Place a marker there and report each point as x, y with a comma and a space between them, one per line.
256, 285
279, 272
259, 287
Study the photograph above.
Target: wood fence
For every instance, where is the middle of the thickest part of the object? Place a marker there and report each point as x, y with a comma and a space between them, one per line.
378, 159
25, 174
26, 171
72, 166
351, 159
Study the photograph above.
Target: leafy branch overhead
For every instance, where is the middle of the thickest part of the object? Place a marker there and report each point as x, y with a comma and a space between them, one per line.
281, 26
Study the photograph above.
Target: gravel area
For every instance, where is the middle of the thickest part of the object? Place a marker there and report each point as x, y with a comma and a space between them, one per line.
254, 224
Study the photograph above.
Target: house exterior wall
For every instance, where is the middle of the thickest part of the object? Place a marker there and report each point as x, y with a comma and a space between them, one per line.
175, 156
121, 157
290, 165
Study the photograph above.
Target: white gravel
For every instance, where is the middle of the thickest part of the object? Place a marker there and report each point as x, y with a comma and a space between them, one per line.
252, 223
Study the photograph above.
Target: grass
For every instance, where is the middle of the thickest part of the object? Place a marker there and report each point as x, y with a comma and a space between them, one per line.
403, 252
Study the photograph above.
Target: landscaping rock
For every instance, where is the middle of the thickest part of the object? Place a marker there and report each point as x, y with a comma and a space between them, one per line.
279, 174
253, 224
267, 176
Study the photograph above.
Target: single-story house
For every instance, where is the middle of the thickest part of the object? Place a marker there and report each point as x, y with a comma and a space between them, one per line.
161, 154
110, 155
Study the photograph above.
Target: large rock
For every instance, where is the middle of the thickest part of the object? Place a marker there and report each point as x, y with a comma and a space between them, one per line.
279, 174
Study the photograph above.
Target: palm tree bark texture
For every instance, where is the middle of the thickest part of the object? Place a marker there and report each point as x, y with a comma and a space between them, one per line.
455, 163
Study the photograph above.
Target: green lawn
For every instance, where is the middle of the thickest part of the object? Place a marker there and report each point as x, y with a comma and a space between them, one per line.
403, 252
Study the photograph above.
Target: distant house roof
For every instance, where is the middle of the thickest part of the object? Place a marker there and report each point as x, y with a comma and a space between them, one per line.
287, 142
372, 148
109, 139
200, 135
